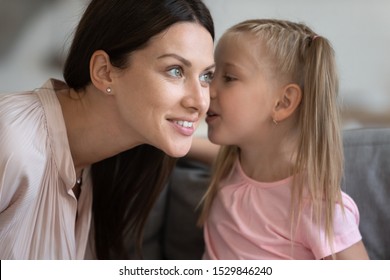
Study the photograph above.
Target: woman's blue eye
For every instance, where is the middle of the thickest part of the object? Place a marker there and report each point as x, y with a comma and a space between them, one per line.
207, 77
176, 72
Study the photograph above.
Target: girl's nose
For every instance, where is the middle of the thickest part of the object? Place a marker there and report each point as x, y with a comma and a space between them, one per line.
213, 89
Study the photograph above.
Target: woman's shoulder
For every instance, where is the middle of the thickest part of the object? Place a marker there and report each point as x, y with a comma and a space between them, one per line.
21, 119
13, 103
23, 115
24, 137
21, 142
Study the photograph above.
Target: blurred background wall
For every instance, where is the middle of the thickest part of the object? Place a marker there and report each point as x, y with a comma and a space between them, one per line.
35, 35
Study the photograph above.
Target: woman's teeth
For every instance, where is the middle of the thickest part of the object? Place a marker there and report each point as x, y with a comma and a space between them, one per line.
185, 123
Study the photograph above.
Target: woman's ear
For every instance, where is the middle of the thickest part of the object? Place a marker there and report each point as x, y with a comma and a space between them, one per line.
101, 70
287, 103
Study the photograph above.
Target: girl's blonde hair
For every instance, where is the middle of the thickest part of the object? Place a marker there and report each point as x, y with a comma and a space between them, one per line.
306, 59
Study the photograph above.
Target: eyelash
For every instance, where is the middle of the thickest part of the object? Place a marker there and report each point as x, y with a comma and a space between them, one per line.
228, 78
177, 72
208, 80
172, 72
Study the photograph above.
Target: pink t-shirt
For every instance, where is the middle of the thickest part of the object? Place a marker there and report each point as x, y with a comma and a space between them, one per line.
251, 220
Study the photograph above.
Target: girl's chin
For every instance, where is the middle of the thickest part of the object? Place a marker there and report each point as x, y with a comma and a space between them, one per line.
214, 139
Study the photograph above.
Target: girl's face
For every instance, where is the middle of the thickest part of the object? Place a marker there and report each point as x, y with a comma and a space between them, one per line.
164, 92
242, 93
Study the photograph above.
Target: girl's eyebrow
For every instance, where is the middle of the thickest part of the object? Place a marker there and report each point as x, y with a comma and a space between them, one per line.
230, 64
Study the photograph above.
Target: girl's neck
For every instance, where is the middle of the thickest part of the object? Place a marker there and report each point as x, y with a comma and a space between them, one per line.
271, 161
267, 168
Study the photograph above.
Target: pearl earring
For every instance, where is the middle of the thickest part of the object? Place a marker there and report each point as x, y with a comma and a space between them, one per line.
108, 90
275, 121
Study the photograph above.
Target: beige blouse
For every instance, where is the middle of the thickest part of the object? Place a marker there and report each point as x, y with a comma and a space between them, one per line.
37, 205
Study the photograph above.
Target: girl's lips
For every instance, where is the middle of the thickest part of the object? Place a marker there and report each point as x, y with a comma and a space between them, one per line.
211, 113
211, 116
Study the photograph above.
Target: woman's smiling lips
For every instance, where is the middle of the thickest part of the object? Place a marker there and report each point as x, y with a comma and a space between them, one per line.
184, 127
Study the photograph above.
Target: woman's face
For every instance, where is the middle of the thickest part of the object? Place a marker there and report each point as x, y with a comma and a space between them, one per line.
164, 92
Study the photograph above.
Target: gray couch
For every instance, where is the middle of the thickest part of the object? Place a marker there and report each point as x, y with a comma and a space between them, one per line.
171, 231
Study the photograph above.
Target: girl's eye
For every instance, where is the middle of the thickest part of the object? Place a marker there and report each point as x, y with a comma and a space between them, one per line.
207, 77
176, 72
228, 78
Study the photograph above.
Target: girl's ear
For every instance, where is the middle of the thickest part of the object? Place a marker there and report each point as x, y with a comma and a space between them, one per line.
287, 103
101, 70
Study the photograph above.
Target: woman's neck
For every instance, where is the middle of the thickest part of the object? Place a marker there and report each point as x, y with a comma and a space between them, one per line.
93, 126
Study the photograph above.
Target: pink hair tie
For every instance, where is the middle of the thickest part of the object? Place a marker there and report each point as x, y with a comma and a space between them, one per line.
314, 37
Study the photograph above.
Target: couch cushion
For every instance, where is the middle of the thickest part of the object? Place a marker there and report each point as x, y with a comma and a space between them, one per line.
183, 240
367, 181
152, 240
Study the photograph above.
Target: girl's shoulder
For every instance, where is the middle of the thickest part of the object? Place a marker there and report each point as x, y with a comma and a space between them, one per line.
349, 208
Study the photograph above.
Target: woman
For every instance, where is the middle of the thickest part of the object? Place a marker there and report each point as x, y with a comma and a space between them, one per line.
136, 85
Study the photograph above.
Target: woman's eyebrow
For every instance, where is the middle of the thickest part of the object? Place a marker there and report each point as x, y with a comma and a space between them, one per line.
210, 67
178, 57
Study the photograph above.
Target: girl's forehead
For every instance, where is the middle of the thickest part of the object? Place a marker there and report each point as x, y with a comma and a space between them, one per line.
241, 40
243, 46
248, 52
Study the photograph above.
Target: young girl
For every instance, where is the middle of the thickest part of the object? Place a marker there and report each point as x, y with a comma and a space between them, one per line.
275, 192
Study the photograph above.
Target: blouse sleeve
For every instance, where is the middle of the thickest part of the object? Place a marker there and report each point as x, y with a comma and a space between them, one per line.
21, 149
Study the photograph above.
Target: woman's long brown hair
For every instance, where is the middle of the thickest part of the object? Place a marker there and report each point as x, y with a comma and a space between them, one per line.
125, 186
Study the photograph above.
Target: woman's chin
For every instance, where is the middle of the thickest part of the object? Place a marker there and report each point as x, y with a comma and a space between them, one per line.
178, 151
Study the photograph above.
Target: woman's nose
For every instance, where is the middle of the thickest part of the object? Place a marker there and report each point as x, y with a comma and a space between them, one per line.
197, 98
